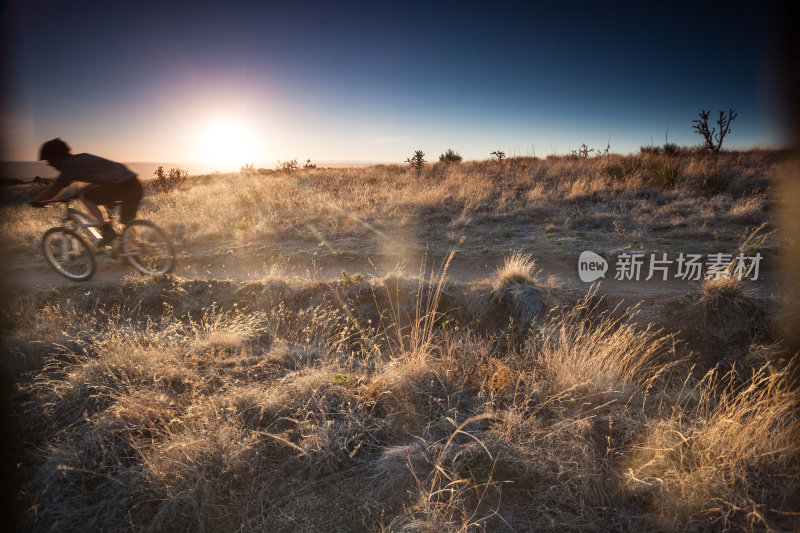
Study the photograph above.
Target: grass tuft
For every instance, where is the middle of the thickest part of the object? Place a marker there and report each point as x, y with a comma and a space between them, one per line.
517, 268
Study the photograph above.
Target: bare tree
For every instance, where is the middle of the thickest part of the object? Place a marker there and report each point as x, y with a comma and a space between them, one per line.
713, 140
499, 154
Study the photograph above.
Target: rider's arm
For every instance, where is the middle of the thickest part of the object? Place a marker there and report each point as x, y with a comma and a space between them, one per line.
64, 179
50, 191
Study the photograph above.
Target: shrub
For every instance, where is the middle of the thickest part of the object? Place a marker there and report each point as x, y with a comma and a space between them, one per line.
348, 279
665, 174
417, 161
287, 167
654, 150
450, 157
671, 149
168, 181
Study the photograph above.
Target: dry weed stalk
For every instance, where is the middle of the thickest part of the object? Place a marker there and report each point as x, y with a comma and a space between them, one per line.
453, 495
415, 343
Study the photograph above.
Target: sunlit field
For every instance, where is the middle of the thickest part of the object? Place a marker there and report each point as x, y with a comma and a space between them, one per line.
557, 206
414, 401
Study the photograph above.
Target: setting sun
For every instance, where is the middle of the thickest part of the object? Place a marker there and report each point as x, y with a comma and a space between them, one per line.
228, 144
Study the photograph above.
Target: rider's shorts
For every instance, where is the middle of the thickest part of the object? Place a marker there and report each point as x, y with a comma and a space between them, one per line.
128, 194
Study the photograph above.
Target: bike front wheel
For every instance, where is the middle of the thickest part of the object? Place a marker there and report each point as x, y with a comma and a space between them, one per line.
68, 254
147, 248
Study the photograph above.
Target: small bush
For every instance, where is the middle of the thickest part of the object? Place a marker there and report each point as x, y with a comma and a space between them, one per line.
287, 167
671, 149
348, 279
653, 150
167, 181
665, 174
450, 157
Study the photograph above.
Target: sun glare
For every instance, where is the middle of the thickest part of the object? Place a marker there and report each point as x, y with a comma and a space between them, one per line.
228, 144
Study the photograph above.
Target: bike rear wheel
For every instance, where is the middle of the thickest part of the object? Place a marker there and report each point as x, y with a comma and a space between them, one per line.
68, 254
147, 248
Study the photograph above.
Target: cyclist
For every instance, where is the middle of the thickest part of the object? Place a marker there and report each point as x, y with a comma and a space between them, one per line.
109, 183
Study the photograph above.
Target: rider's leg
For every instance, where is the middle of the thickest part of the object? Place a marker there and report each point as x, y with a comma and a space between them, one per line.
98, 212
131, 195
89, 198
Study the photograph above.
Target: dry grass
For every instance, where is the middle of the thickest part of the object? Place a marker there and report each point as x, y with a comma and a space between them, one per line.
517, 268
271, 411
400, 404
721, 458
615, 201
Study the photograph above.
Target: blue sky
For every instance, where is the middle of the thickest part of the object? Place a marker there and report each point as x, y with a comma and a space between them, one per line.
227, 83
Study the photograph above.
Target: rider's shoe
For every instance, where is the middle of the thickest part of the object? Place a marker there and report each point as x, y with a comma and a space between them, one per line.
108, 236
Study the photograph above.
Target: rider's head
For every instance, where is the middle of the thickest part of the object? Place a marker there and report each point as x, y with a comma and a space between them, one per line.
54, 151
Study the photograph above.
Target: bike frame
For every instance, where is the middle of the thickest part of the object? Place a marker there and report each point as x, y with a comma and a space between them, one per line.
80, 219
142, 244
76, 219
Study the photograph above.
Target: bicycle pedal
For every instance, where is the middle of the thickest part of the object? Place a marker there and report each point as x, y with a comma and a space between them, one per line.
108, 250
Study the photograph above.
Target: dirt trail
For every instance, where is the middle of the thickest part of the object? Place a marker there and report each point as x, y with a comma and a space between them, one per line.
563, 271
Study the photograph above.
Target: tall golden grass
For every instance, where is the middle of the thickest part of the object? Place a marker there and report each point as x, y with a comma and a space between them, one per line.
355, 406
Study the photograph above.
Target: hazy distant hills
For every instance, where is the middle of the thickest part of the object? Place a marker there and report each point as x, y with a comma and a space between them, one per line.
28, 170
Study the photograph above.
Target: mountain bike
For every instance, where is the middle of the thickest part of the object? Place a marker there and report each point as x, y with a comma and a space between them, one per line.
70, 248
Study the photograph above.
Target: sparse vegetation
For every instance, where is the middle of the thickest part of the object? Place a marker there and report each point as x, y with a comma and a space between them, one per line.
583, 151
604, 198
395, 403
